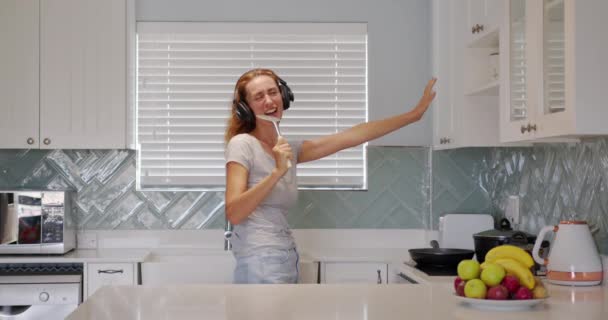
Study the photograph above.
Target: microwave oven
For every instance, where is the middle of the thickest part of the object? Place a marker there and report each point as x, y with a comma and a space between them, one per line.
36, 222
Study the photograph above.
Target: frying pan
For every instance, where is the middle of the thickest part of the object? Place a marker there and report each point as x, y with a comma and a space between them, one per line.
436, 256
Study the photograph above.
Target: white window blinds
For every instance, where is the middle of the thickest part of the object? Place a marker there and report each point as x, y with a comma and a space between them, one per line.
186, 77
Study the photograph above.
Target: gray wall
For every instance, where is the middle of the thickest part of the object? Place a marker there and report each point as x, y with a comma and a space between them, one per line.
399, 43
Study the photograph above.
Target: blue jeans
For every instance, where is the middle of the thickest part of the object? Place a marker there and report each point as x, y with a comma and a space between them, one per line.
268, 266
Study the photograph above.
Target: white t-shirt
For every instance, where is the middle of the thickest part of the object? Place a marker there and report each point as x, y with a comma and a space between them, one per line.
266, 226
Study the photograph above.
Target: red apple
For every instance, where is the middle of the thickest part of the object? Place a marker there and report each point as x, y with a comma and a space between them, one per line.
460, 288
457, 281
511, 283
498, 292
523, 293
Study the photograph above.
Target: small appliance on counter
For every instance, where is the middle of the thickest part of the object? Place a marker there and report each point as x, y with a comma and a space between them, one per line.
36, 222
574, 259
488, 239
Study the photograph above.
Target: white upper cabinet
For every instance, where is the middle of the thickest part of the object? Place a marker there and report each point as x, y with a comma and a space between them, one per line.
554, 88
75, 61
466, 109
483, 17
443, 105
19, 70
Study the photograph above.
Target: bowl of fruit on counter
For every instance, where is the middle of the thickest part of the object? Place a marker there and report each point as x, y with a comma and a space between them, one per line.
504, 281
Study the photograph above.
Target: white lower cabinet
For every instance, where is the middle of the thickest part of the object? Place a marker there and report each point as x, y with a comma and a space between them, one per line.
105, 274
354, 272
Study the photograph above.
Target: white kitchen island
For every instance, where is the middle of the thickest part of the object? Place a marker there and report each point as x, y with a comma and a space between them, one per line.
311, 301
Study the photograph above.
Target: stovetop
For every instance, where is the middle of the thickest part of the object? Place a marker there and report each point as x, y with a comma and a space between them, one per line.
432, 270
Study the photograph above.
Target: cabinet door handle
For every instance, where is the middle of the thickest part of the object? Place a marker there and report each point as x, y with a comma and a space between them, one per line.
379, 276
523, 129
30, 141
473, 29
531, 127
479, 28
110, 271
46, 141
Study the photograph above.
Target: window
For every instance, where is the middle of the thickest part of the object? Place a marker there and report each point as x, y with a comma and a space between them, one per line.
186, 77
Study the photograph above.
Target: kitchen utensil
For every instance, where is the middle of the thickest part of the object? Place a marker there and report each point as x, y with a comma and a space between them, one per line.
275, 121
488, 239
573, 259
440, 256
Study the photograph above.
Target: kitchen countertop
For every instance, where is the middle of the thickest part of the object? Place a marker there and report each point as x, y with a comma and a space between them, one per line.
434, 300
82, 255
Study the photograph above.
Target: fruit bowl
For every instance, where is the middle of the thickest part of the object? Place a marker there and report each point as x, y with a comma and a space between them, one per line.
502, 305
503, 282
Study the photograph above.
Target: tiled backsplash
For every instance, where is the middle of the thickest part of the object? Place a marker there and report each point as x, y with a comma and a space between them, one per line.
107, 199
554, 181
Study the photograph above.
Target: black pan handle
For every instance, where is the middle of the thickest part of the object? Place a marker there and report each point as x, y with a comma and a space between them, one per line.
505, 225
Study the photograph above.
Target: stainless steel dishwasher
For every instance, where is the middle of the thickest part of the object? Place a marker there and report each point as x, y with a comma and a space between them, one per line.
39, 290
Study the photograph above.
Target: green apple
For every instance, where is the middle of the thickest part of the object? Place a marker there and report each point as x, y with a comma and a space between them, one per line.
492, 274
475, 289
468, 269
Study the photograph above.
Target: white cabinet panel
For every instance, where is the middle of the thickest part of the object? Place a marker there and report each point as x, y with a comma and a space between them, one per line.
19, 73
105, 274
443, 64
466, 109
563, 48
483, 16
203, 269
83, 74
63, 73
354, 272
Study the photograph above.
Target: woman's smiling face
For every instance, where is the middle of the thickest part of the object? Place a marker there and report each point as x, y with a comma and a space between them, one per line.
264, 96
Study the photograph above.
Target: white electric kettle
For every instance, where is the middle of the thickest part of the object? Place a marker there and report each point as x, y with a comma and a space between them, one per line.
573, 258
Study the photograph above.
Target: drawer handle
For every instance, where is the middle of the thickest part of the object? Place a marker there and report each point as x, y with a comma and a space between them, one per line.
110, 271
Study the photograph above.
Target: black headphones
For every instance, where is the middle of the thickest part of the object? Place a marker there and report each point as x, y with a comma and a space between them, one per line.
246, 115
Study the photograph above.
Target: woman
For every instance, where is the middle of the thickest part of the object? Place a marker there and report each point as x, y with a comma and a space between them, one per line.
260, 185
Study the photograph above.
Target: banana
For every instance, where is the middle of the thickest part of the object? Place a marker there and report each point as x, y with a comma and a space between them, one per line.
512, 252
514, 267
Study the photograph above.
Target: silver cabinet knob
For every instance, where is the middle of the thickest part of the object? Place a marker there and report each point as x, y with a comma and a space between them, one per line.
30, 141
46, 141
531, 127
523, 129
448, 140
473, 29
479, 28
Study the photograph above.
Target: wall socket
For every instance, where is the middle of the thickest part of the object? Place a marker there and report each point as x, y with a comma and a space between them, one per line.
512, 210
86, 240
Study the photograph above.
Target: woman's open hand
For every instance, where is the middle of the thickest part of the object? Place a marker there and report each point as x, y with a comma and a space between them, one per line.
282, 154
425, 101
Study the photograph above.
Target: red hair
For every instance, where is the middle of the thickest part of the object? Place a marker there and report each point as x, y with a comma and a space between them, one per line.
235, 125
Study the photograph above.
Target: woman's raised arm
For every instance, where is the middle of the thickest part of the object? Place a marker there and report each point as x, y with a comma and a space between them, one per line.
327, 145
